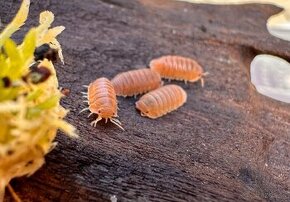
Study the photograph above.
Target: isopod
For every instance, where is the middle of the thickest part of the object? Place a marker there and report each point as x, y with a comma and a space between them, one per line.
178, 68
161, 101
102, 101
136, 82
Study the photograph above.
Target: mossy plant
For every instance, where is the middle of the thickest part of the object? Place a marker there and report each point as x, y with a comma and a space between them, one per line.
30, 113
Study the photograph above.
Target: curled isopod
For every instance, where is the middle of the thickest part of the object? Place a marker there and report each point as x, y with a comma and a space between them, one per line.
136, 82
102, 101
178, 68
161, 101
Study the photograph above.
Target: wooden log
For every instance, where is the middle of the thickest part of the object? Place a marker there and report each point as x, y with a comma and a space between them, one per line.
227, 143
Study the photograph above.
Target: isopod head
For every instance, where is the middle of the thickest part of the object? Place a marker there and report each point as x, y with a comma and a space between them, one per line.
142, 108
106, 112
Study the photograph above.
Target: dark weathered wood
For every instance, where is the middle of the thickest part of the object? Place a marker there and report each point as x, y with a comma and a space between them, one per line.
226, 144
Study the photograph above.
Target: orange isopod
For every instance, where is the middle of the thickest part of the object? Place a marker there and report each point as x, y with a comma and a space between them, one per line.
102, 101
136, 82
179, 68
161, 101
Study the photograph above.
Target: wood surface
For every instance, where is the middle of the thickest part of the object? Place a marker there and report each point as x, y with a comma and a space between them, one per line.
227, 143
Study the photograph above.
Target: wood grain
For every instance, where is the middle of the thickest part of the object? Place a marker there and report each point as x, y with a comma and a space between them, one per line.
226, 144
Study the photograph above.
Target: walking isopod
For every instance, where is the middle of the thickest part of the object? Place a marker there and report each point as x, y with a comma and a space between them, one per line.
179, 68
161, 101
136, 82
102, 101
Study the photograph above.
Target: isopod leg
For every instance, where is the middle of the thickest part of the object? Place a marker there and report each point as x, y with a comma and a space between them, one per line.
85, 109
90, 114
13, 194
202, 79
2, 189
94, 123
205, 74
202, 82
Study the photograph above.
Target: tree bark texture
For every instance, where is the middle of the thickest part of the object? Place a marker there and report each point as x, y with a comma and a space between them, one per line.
227, 143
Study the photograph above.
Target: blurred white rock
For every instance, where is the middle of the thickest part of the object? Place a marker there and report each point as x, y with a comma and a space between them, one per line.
279, 25
271, 77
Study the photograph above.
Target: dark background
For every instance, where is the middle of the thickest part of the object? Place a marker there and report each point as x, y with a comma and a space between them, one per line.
227, 143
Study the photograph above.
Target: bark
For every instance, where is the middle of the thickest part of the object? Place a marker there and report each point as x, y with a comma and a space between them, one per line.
227, 143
